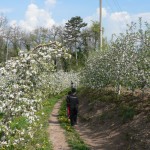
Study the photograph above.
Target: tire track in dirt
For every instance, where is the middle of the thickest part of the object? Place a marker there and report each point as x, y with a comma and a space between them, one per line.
56, 133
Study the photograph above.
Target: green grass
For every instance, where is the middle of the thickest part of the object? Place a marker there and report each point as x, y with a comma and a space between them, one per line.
126, 113
40, 140
73, 138
19, 123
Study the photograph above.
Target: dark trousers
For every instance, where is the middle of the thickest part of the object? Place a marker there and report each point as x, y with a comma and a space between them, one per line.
73, 116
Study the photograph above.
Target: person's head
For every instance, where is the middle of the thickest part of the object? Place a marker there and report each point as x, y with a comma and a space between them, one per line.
73, 90
69, 93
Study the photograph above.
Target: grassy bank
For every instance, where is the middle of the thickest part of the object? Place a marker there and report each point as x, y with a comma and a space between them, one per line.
127, 115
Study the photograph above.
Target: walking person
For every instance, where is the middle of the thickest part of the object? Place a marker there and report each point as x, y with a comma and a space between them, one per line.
74, 102
68, 104
72, 85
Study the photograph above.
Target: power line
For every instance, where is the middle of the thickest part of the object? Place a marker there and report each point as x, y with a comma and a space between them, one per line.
120, 9
116, 8
109, 4
117, 5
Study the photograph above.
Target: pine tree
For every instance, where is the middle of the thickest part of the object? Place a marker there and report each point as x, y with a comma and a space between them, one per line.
73, 32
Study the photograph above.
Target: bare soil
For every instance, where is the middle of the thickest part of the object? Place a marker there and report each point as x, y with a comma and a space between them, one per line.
104, 125
56, 133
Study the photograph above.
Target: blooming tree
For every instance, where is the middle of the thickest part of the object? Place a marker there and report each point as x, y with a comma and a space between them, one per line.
126, 63
24, 82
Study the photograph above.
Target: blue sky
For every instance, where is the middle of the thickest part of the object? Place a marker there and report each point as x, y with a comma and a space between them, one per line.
33, 13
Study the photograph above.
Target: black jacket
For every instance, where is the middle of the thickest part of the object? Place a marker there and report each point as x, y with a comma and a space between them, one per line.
73, 101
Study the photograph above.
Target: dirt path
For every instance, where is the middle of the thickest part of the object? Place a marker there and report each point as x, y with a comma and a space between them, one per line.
109, 134
56, 133
88, 137
96, 141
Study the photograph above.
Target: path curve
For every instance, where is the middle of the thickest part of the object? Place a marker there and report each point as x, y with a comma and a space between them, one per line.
56, 133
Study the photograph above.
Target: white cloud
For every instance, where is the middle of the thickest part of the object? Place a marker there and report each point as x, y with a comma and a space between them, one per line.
50, 2
104, 12
120, 16
144, 16
95, 16
89, 19
35, 17
13, 23
116, 22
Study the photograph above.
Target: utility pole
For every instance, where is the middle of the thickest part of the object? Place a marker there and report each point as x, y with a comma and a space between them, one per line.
100, 9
